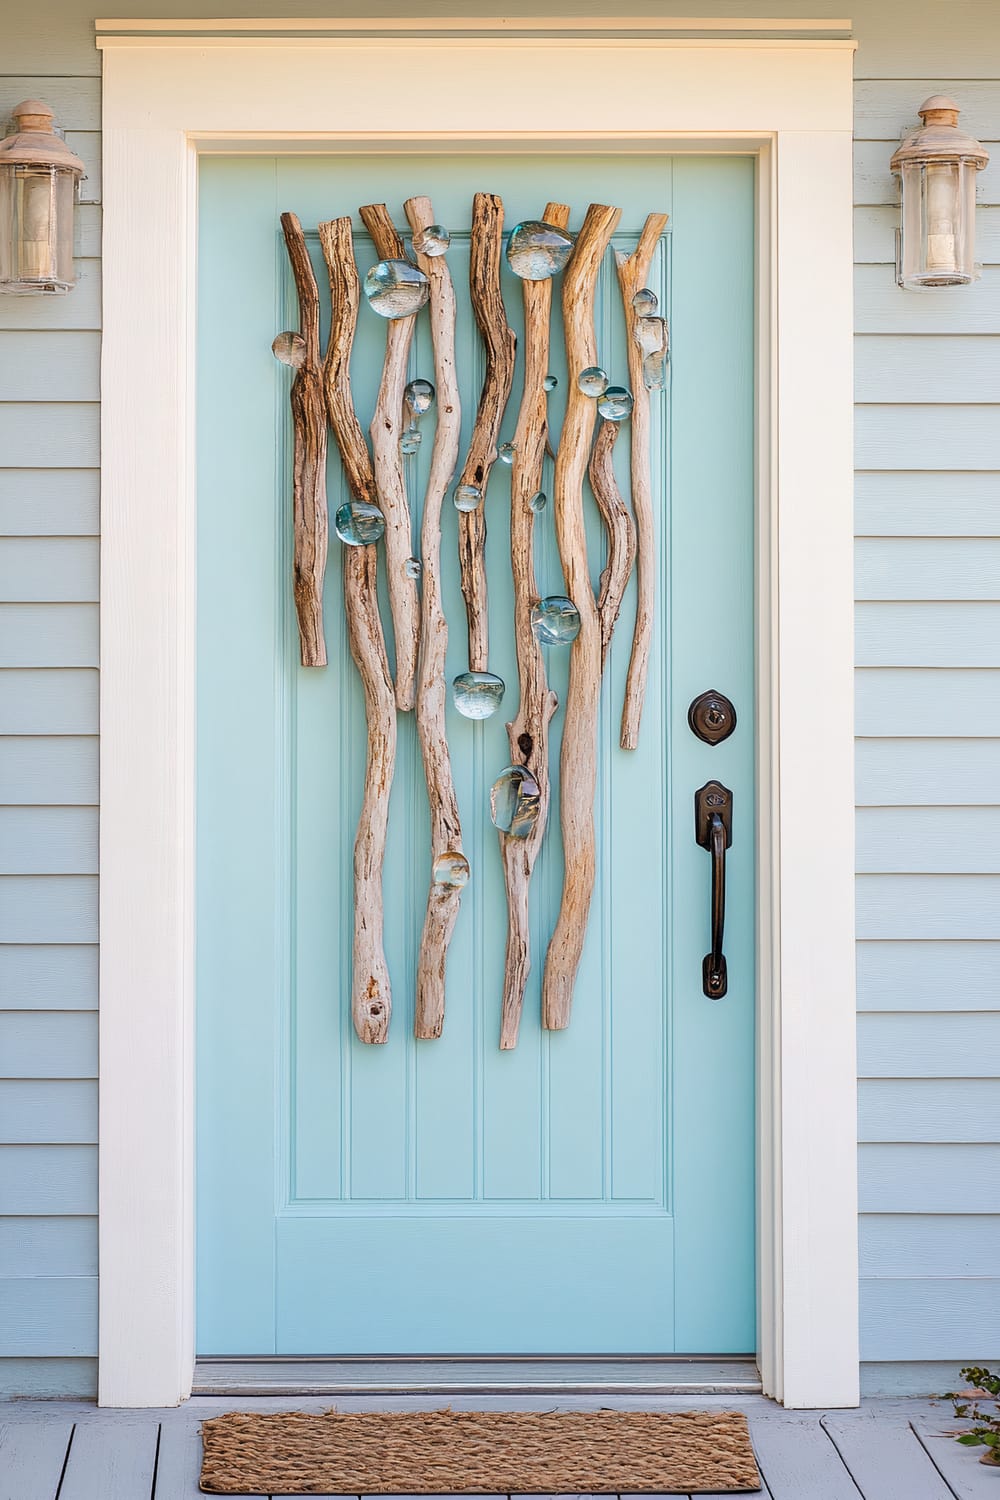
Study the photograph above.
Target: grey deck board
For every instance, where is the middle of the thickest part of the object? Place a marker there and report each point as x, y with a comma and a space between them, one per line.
886, 1460
32, 1456
797, 1459
179, 1464
112, 1460
960, 1466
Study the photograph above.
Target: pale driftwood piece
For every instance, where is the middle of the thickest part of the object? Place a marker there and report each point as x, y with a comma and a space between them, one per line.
620, 529
528, 732
500, 343
633, 271
578, 762
443, 900
309, 458
386, 431
371, 994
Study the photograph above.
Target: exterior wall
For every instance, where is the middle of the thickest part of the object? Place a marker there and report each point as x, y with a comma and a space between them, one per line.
928, 646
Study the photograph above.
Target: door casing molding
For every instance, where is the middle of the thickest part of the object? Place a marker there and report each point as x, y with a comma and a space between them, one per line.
170, 95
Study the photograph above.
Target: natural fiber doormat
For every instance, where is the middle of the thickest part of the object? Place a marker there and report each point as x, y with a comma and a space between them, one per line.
496, 1453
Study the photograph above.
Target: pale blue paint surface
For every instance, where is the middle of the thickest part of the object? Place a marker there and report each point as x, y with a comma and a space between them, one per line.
592, 1191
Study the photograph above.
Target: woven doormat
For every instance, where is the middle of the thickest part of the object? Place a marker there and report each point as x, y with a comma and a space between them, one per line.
496, 1453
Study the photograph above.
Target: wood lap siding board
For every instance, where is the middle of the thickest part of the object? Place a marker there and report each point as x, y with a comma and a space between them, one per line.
49, 387
929, 730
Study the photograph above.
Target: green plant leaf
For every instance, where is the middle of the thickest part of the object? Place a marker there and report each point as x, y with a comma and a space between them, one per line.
971, 1440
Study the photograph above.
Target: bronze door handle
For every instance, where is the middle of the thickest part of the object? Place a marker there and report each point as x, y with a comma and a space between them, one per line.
713, 830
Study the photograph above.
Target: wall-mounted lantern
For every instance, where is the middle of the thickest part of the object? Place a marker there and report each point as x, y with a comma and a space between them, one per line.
38, 178
937, 166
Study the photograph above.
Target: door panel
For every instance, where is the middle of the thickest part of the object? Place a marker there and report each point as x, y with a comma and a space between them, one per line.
591, 1191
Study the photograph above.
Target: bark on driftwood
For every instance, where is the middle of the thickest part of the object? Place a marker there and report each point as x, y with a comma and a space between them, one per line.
309, 458
486, 244
578, 762
528, 732
386, 431
443, 898
371, 996
633, 272
620, 528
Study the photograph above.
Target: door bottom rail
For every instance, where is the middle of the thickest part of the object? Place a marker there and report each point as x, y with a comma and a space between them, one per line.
503, 1375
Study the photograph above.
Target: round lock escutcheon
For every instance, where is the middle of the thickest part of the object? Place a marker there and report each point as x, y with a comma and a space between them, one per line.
712, 717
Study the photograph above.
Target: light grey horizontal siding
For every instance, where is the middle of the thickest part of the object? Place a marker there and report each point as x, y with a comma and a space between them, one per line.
48, 1247
35, 976
49, 635
875, 234
49, 502
48, 1180
50, 365
929, 906
883, 108
935, 773
50, 569
921, 568
920, 368
48, 840
922, 974
927, 437
57, 701
81, 309
946, 1047
51, 435
933, 1109
48, 1044
48, 1315
909, 702
40, 770
46, 1378
930, 1318
926, 504
48, 1111
881, 307
928, 1179
927, 840
919, 1245
48, 909
874, 181
927, 634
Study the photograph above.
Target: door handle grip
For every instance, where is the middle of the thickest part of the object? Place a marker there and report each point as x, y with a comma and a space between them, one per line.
713, 830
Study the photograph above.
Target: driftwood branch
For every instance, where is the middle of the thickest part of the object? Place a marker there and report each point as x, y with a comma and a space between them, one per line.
485, 248
578, 762
528, 732
620, 528
386, 431
446, 831
309, 457
633, 273
371, 997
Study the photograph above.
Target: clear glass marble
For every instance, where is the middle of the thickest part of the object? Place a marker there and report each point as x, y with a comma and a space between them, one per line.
450, 869
467, 497
651, 335
555, 621
536, 250
395, 289
505, 453
593, 381
514, 799
419, 397
654, 372
410, 441
550, 382
616, 403
290, 348
413, 567
645, 302
538, 501
477, 695
432, 241
358, 523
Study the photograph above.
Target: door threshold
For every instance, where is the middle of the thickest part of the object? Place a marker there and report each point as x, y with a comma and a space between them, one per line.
504, 1375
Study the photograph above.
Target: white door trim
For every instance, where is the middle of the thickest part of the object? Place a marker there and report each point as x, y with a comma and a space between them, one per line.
170, 95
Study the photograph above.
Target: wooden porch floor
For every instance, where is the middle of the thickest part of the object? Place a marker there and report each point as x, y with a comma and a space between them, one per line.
887, 1450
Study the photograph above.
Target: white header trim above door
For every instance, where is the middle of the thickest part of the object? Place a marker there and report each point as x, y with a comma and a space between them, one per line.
790, 103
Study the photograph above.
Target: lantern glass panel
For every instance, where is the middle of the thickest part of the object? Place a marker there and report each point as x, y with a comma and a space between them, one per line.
938, 236
36, 228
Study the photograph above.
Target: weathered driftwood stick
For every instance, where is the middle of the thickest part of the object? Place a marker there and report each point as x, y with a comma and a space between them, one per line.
371, 996
386, 431
620, 528
309, 460
485, 248
528, 732
633, 273
578, 762
444, 898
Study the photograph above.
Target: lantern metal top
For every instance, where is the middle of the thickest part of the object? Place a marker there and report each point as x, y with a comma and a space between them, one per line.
939, 138
35, 143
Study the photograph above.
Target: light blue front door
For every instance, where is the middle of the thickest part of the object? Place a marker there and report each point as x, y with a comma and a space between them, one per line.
592, 1191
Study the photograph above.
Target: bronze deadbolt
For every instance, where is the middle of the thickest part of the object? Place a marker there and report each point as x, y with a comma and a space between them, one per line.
712, 717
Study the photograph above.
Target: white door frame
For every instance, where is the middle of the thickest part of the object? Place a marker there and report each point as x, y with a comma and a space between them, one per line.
174, 89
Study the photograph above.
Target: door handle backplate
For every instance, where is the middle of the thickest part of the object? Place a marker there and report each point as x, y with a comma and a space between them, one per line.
713, 830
